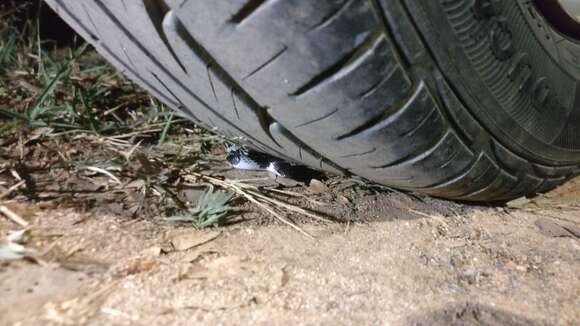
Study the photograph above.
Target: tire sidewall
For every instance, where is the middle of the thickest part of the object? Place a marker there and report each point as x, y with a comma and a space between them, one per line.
447, 43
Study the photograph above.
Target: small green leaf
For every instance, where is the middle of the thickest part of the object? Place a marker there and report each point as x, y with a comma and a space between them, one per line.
211, 207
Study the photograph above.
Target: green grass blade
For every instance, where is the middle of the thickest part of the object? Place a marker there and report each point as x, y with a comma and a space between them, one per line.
48, 89
166, 128
7, 50
41, 68
14, 115
6, 127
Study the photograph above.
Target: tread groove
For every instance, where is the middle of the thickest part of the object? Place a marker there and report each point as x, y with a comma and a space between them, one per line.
157, 9
332, 16
400, 105
246, 11
317, 119
208, 69
341, 64
145, 82
376, 85
148, 85
360, 154
234, 103
450, 159
398, 51
370, 68
265, 64
129, 58
420, 124
172, 94
454, 178
412, 157
92, 23
264, 118
484, 188
106, 11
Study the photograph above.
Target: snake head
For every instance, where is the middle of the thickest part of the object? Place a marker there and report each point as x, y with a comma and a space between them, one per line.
234, 158
231, 147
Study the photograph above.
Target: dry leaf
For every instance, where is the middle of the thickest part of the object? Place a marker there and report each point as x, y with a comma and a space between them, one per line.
136, 184
552, 229
344, 200
137, 266
316, 186
518, 202
195, 271
13, 249
287, 182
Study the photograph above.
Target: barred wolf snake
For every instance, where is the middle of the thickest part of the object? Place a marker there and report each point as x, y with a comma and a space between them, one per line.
249, 159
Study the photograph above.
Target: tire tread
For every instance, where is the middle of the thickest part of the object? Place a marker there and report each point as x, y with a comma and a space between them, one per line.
365, 99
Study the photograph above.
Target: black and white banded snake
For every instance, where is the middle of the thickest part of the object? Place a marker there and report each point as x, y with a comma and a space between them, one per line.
249, 159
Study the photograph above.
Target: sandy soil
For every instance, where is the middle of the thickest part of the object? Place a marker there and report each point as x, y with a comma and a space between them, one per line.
100, 255
398, 261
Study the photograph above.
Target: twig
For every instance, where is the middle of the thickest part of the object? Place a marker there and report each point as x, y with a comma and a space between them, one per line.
278, 216
13, 216
254, 190
298, 195
252, 196
135, 133
105, 172
250, 180
438, 218
289, 207
11, 189
131, 151
15, 175
233, 307
420, 213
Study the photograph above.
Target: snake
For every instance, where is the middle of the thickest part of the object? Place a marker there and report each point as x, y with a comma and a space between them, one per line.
248, 159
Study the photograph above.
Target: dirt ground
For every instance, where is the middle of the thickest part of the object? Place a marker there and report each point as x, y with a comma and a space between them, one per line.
90, 165
393, 259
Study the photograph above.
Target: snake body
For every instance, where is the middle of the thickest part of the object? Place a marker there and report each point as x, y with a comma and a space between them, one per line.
248, 159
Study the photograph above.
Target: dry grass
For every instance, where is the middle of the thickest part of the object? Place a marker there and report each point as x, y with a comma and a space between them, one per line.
274, 207
74, 132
